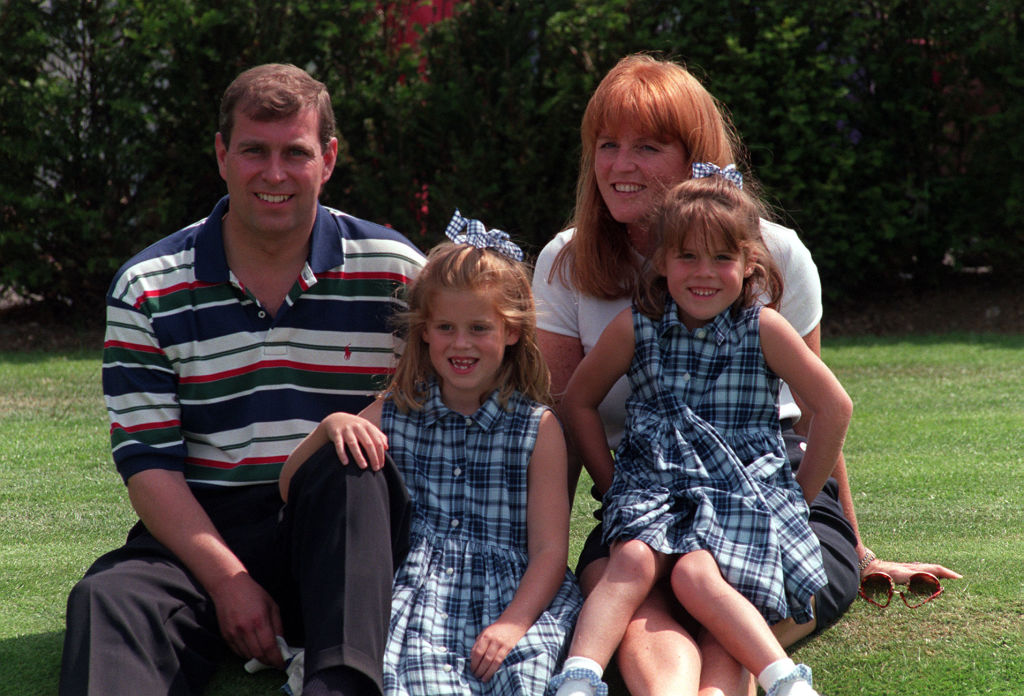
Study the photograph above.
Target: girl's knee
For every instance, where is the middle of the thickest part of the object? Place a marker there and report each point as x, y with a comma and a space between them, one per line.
695, 570
633, 560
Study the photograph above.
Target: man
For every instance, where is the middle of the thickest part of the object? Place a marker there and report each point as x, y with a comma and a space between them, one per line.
226, 343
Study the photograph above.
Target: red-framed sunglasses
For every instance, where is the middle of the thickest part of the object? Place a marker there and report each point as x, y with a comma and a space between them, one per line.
878, 588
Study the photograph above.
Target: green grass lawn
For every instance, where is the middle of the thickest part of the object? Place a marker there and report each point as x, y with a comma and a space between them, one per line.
936, 459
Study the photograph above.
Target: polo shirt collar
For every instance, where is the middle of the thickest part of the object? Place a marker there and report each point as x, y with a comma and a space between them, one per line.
325, 251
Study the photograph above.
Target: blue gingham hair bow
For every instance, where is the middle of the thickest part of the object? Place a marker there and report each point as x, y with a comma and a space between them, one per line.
465, 231
730, 173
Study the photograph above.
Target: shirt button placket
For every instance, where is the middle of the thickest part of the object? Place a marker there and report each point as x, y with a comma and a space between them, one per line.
459, 481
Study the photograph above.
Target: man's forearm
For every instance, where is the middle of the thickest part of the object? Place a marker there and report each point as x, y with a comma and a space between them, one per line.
171, 513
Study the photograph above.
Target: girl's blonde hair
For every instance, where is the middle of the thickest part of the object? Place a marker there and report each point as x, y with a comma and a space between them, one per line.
709, 213
465, 268
665, 101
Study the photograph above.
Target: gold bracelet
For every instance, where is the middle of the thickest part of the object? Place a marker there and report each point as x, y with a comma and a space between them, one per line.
864, 562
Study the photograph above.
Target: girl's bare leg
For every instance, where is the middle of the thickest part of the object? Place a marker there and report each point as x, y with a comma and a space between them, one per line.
724, 612
658, 656
628, 577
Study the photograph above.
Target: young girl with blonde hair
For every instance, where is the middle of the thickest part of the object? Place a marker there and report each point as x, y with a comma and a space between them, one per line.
483, 603
701, 491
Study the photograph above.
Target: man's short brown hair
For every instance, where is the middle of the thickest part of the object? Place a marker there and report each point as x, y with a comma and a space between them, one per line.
273, 92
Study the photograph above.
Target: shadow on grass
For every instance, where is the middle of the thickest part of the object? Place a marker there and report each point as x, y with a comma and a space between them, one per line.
30, 666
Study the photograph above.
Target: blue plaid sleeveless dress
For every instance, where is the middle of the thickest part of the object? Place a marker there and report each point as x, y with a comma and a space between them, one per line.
702, 463
467, 480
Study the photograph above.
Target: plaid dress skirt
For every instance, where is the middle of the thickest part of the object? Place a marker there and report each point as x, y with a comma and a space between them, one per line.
467, 480
702, 463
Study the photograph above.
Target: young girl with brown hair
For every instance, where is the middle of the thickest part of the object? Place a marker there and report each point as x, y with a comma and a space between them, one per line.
483, 603
699, 490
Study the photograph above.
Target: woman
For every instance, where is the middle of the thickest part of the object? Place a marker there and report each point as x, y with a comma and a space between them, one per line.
646, 124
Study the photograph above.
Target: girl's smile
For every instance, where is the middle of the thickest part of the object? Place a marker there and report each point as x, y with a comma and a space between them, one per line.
467, 340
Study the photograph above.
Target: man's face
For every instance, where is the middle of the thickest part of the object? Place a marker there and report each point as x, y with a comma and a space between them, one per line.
274, 171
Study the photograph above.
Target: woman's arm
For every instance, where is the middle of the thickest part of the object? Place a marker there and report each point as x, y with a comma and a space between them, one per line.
594, 377
900, 571
562, 354
547, 526
359, 435
813, 341
828, 407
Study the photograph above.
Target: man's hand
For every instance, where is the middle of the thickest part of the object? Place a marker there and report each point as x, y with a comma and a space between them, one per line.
249, 619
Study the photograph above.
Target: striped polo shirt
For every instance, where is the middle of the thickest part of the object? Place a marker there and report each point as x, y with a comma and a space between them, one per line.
198, 378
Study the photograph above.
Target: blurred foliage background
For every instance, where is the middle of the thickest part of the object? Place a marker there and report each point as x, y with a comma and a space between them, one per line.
887, 133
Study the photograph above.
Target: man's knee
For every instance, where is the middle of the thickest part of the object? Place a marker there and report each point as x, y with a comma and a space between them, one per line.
89, 596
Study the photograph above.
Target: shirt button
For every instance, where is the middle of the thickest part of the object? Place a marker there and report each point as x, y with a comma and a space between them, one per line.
447, 668
469, 422
455, 523
457, 471
449, 571
262, 314
701, 333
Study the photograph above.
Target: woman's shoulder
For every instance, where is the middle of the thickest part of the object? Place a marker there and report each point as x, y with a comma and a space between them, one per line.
801, 296
551, 250
775, 232
784, 244
560, 239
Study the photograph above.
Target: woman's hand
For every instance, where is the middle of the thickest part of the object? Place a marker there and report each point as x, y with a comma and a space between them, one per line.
492, 646
900, 572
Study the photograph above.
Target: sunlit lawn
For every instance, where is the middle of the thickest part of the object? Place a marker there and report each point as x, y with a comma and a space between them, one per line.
936, 458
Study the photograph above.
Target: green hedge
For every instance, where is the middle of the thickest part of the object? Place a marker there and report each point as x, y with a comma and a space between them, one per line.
886, 132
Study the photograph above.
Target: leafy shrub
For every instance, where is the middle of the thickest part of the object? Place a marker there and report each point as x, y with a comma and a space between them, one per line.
885, 132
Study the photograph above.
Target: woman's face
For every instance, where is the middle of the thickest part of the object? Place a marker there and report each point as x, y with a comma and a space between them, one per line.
633, 170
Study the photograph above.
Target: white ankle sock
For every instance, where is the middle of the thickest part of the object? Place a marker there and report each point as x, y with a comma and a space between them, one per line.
579, 687
797, 688
774, 672
783, 668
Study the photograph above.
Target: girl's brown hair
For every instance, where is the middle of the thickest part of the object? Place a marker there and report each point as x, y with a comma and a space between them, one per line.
665, 101
466, 268
709, 213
